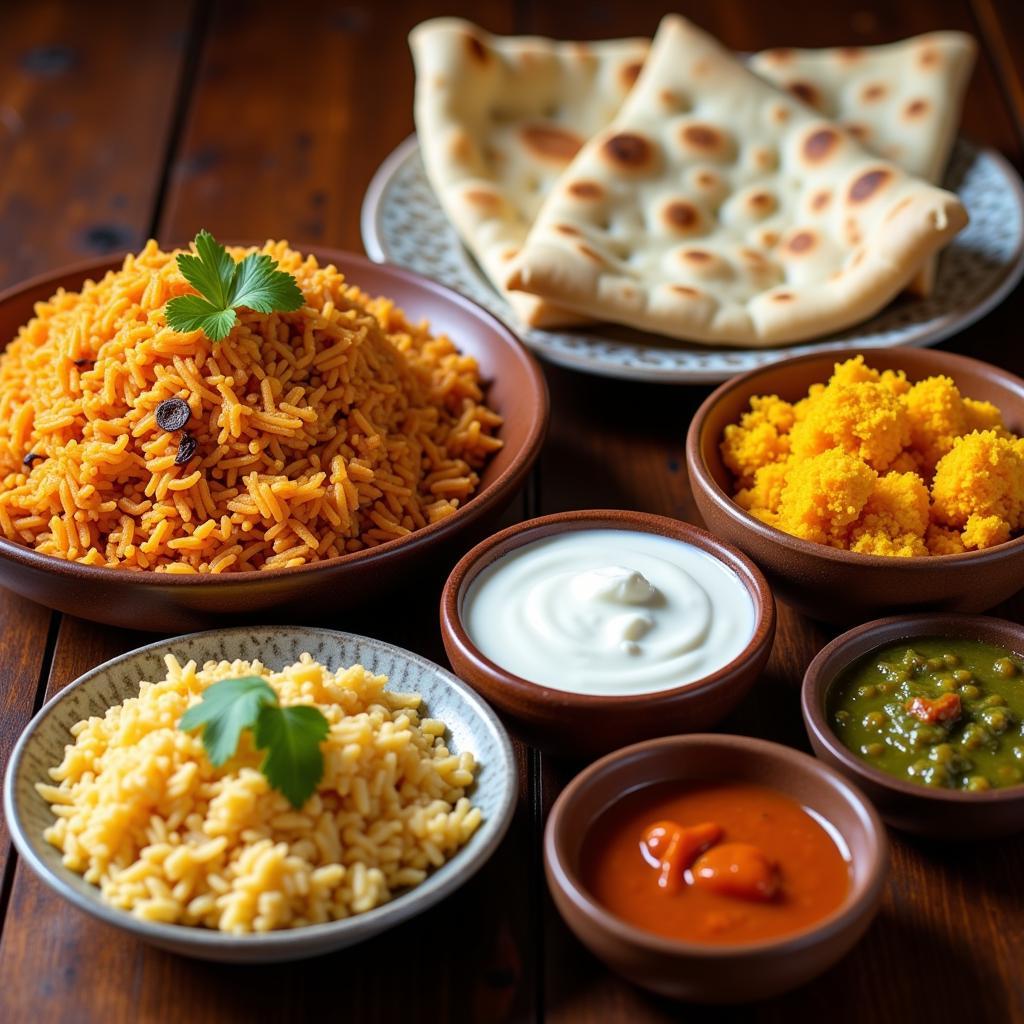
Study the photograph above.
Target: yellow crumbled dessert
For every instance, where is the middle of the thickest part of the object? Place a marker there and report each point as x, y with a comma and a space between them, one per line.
877, 464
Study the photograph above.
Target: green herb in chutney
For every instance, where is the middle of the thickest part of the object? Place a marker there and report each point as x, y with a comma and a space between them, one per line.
224, 286
291, 736
942, 712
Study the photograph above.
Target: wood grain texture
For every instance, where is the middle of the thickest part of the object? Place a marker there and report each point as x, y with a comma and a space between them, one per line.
289, 111
23, 652
87, 94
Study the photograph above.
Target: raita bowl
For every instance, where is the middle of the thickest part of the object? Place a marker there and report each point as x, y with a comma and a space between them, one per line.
579, 723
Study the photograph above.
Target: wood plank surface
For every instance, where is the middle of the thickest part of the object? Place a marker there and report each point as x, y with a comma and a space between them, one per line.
254, 120
79, 170
87, 97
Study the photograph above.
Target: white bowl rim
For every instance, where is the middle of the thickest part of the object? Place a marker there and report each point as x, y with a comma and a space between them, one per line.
456, 871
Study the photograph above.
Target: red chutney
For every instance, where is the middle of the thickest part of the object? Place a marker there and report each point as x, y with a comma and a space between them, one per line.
723, 863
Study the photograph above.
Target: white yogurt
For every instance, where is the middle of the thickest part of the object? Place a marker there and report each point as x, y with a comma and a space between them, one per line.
609, 612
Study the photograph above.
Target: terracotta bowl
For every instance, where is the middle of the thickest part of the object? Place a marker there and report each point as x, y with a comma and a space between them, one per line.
937, 813
578, 723
698, 971
843, 586
167, 603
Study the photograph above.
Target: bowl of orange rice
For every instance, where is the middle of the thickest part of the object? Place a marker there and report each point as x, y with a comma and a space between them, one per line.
327, 454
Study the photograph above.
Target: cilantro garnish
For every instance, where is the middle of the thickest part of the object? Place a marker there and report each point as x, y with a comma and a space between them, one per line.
225, 286
291, 736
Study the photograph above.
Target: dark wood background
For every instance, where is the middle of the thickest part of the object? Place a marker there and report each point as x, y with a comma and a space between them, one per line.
121, 121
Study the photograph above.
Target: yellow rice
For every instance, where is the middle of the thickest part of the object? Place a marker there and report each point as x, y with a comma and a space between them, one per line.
142, 813
320, 432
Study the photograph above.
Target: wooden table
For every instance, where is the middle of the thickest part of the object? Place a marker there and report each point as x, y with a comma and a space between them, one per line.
120, 121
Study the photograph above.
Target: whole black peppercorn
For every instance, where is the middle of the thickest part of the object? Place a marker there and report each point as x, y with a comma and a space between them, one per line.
172, 414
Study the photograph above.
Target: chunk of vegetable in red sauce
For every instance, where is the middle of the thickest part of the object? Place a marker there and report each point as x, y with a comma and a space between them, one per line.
740, 870
675, 847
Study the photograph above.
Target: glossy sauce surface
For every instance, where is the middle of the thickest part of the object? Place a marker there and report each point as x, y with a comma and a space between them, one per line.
806, 874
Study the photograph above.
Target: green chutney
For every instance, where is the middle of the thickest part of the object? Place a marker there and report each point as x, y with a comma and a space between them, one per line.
947, 713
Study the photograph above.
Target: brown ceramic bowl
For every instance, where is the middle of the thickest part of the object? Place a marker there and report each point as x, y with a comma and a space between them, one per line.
843, 586
168, 603
937, 813
579, 723
698, 971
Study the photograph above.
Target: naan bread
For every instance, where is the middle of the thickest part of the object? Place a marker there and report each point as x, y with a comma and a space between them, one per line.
716, 208
902, 100
499, 119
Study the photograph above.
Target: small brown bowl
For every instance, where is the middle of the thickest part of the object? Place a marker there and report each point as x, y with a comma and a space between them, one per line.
579, 723
701, 972
936, 813
844, 586
170, 603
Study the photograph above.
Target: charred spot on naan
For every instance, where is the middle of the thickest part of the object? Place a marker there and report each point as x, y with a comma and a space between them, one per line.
629, 73
706, 141
820, 200
801, 243
708, 184
674, 101
807, 92
706, 265
479, 52
630, 153
686, 291
874, 92
589, 191
682, 217
929, 58
760, 203
550, 143
568, 229
916, 109
869, 185
764, 158
485, 200
861, 132
820, 144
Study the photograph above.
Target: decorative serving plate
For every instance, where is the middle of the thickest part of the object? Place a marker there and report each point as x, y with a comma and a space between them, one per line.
402, 223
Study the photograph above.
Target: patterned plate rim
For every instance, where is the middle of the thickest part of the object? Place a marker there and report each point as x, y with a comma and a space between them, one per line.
928, 333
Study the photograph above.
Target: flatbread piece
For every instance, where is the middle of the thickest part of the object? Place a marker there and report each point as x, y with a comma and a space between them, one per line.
717, 208
499, 119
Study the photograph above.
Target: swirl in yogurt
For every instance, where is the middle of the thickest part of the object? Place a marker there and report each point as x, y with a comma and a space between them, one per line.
609, 611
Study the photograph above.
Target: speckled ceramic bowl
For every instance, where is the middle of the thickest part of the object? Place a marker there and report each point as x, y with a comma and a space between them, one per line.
471, 726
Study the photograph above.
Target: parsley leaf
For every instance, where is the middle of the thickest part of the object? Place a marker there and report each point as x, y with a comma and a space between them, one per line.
224, 286
291, 736
294, 763
226, 709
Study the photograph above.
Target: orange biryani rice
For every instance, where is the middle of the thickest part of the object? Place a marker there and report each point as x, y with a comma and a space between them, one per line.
320, 432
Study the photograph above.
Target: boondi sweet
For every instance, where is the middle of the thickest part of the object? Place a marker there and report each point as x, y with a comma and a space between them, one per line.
873, 463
